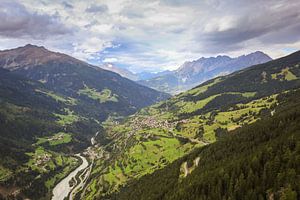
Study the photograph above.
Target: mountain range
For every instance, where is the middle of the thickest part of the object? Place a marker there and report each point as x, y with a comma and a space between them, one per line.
192, 73
259, 161
98, 92
48, 96
167, 140
133, 76
227, 138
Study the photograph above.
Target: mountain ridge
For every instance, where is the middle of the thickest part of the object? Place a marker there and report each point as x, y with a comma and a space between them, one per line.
69, 76
51, 111
243, 165
11, 59
192, 73
51, 105
157, 135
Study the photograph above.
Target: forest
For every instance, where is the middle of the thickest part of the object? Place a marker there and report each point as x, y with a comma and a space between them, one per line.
258, 161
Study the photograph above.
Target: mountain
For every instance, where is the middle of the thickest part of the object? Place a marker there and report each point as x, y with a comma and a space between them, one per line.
98, 92
30, 116
133, 76
195, 72
260, 161
51, 105
121, 71
150, 75
158, 135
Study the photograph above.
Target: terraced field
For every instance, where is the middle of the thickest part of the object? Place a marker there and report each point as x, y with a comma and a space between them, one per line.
151, 142
66, 100
56, 139
157, 135
68, 118
105, 95
45, 161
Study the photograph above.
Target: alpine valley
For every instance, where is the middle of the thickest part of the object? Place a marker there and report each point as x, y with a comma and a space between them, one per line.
214, 141
51, 105
149, 100
242, 127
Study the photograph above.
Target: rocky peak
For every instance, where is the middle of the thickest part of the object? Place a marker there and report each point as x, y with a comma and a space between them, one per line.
31, 55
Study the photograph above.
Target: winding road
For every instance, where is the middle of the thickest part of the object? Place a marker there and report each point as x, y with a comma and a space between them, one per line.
63, 189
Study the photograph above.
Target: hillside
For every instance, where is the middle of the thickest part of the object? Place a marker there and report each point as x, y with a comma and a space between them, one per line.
45, 119
259, 161
29, 168
51, 105
157, 135
149, 100
195, 72
98, 93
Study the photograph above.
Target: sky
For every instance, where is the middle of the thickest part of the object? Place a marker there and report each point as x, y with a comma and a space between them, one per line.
152, 35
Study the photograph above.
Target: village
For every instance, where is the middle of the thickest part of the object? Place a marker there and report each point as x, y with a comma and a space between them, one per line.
152, 122
41, 160
56, 137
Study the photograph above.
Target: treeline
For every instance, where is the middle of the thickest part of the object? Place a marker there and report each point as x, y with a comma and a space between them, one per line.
26, 115
258, 161
257, 79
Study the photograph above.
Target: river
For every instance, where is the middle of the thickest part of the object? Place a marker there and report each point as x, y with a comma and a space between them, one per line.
62, 189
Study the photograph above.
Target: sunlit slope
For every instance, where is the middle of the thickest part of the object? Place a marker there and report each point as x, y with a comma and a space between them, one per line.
89, 90
259, 161
38, 131
159, 134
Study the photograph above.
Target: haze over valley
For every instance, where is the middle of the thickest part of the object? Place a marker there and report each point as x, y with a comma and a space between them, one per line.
156, 100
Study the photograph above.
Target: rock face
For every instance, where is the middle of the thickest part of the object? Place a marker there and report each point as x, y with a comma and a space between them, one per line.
30, 56
195, 72
73, 78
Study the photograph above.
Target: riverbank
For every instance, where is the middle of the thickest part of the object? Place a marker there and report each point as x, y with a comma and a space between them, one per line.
63, 188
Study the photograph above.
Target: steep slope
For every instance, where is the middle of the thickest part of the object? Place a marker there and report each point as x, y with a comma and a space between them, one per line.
159, 134
195, 72
260, 161
51, 105
36, 136
98, 92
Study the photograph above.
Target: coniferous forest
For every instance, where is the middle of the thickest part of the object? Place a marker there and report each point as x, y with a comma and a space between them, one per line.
259, 161
149, 100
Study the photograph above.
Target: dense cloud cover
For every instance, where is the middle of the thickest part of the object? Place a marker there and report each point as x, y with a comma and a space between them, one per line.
152, 35
17, 22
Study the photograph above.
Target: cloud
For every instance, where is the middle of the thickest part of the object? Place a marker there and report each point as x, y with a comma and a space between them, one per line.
97, 8
275, 22
17, 21
110, 60
68, 5
152, 35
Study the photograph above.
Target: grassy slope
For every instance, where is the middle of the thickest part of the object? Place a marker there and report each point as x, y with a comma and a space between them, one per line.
259, 161
104, 96
60, 96
30, 114
159, 134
